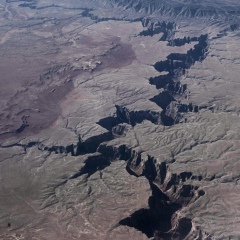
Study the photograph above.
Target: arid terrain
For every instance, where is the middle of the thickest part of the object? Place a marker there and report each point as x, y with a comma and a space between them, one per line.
119, 119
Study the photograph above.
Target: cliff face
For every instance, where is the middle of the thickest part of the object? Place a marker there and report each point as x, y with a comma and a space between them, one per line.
180, 8
166, 28
176, 66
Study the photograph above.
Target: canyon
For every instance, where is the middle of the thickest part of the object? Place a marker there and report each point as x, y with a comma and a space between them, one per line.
119, 119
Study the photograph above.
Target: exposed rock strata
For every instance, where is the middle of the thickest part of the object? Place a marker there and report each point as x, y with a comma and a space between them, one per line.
176, 65
180, 8
69, 179
169, 193
167, 28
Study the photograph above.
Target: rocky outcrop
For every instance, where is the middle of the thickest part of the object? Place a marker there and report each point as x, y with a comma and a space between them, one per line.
180, 8
155, 218
30, 4
90, 145
184, 61
87, 13
176, 65
169, 194
124, 115
134, 117
167, 28
182, 41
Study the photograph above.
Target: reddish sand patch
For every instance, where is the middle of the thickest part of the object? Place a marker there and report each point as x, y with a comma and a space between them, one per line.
119, 56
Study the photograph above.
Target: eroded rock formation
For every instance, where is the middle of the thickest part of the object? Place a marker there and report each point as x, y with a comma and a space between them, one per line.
119, 120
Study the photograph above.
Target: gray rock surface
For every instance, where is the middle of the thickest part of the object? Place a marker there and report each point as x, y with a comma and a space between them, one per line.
119, 119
